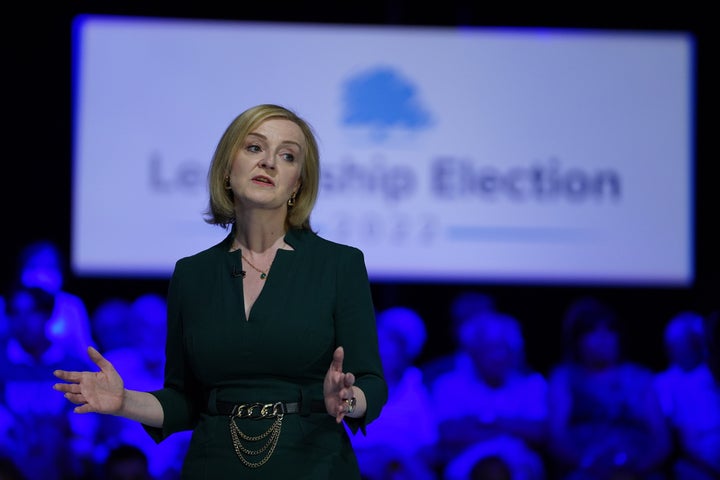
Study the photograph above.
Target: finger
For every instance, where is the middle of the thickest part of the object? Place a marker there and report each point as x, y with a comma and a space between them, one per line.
340, 415
343, 409
99, 360
75, 398
67, 387
349, 380
68, 376
83, 409
61, 387
337, 361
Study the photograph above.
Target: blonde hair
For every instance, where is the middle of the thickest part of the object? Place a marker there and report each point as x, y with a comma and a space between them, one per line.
221, 208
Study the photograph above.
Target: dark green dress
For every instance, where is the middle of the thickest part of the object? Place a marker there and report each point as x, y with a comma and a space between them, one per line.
317, 297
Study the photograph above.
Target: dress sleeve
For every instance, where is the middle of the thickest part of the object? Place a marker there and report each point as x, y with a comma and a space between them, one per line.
356, 332
180, 407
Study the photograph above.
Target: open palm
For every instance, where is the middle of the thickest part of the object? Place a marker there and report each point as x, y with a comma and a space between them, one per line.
100, 391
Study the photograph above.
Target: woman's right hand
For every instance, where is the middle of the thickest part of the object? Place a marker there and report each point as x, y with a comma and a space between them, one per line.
100, 392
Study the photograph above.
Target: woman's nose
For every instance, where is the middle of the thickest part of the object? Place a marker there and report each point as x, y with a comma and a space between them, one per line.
267, 161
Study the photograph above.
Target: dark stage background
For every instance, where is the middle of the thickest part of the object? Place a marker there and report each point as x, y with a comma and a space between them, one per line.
37, 143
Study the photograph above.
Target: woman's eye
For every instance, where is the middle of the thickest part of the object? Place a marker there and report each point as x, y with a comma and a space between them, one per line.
289, 157
253, 148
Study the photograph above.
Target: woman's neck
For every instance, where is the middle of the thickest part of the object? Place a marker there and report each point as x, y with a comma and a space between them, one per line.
259, 230
258, 239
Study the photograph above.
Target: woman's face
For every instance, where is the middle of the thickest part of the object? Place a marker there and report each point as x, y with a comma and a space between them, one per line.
266, 169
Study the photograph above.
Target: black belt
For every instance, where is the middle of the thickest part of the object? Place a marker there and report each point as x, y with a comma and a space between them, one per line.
257, 410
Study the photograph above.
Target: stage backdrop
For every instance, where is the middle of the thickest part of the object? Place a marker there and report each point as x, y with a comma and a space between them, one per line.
540, 156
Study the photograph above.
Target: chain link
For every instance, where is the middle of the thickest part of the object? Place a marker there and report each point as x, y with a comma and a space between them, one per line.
271, 435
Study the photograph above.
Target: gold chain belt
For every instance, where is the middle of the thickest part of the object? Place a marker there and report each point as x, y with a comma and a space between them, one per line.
256, 411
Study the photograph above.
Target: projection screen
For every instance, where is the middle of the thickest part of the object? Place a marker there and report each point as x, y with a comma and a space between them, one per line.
508, 155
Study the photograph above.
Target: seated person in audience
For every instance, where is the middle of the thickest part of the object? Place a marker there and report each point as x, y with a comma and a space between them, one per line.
39, 431
605, 418
493, 404
41, 264
126, 462
690, 397
464, 305
397, 444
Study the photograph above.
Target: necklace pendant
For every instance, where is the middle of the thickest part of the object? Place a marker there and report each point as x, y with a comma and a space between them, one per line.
263, 276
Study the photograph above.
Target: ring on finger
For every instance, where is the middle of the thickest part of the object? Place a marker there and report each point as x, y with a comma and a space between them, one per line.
350, 405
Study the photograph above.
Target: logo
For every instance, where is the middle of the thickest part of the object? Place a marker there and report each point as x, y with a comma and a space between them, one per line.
382, 104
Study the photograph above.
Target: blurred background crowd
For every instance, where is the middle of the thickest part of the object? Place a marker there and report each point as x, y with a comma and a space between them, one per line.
480, 409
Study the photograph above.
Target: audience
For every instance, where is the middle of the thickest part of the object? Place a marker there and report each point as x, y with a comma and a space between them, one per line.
492, 404
690, 397
398, 443
41, 264
40, 434
479, 412
464, 305
605, 418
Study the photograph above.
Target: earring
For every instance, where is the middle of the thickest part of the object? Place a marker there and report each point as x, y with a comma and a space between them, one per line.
291, 200
227, 182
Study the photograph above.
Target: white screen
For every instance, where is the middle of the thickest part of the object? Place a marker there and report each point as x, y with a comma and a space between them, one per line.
448, 154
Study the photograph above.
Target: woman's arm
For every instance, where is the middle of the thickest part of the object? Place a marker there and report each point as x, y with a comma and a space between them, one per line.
356, 333
104, 392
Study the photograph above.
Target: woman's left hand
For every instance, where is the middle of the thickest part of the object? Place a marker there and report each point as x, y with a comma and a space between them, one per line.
338, 387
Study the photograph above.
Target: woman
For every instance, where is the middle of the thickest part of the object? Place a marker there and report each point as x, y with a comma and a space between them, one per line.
606, 421
264, 328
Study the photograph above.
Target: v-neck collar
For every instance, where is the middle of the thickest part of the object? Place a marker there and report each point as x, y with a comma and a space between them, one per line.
280, 274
